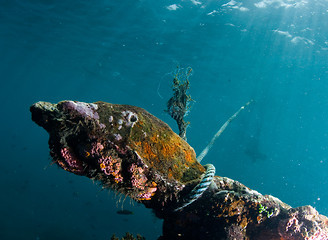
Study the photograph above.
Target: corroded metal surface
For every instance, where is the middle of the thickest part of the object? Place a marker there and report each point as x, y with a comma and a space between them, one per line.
230, 210
124, 147
129, 150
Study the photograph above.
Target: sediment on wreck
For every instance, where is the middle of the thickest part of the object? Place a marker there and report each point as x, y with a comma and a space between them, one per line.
127, 149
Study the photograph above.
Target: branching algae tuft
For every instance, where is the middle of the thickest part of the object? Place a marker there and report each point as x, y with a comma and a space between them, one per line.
178, 106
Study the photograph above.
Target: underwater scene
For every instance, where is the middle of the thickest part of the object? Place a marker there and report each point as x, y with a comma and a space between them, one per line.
256, 68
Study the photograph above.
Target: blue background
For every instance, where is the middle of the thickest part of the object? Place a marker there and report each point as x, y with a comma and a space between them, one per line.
271, 51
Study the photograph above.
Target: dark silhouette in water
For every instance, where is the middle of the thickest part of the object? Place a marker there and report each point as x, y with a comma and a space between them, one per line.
253, 150
124, 212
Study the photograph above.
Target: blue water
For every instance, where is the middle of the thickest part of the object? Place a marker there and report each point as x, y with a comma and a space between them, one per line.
271, 51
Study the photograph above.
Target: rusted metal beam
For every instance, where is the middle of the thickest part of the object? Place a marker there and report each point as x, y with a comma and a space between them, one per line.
127, 149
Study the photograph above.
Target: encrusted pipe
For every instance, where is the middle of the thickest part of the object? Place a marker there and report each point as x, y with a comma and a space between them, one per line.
127, 149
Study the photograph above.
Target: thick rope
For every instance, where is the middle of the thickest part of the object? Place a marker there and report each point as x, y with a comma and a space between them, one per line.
207, 179
209, 146
200, 188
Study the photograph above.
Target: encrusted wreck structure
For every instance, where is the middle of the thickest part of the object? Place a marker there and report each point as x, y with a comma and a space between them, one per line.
127, 149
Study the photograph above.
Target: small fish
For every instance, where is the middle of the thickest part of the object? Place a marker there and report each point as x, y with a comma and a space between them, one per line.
124, 212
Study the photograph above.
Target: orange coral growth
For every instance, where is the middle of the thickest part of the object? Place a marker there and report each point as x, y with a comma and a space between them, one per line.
236, 208
168, 150
62, 165
148, 151
148, 193
170, 174
139, 124
154, 138
159, 147
102, 166
188, 156
244, 222
164, 145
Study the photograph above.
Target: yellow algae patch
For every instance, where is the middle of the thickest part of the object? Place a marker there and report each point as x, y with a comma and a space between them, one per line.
160, 148
188, 156
148, 151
